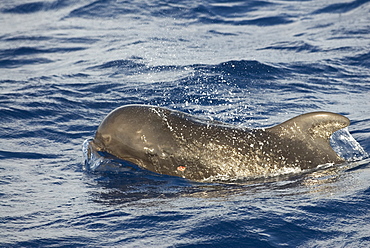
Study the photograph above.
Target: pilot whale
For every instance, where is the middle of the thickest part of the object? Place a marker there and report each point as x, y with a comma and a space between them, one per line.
178, 144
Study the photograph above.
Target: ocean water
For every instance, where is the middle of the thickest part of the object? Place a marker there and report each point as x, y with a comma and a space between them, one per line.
65, 64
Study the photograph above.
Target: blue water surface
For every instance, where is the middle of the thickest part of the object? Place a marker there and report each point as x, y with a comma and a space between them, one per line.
65, 64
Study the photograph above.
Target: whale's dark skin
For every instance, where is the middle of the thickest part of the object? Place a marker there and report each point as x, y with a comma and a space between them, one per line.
178, 144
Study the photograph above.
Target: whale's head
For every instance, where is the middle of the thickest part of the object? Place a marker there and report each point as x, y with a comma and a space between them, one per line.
120, 134
134, 133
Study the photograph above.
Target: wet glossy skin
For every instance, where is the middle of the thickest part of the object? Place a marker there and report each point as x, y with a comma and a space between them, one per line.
174, 143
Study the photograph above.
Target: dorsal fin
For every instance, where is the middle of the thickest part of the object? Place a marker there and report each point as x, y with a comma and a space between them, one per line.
316, 124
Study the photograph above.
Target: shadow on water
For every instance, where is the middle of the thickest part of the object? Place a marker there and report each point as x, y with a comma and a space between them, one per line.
138, 187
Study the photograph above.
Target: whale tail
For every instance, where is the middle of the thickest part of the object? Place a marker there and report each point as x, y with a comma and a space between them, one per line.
314, 129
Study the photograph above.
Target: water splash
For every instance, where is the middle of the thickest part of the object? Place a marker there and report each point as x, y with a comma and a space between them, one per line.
92, 160
346, 146
98, 161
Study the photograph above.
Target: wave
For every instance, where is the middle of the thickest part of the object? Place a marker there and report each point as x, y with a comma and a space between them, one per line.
341, 7
296, 46
26, 155
34, 7
190, 11
14, 63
